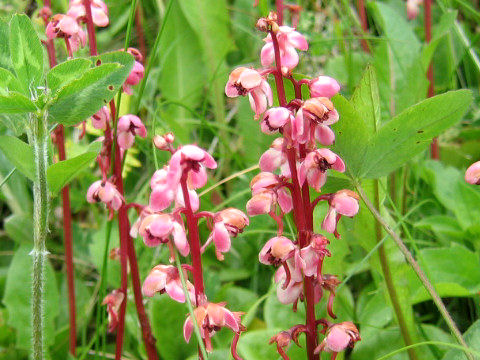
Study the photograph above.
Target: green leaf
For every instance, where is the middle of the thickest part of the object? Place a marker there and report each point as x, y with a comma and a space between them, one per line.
26, 52
17, 298
168, 317
472, 338
19, 228
5, 62
15, 103
61, 173
64, 73
182, 76
454, 271
82, 98
366, 100
8, 82
19, 153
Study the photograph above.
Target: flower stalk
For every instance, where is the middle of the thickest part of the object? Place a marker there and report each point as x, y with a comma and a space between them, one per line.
39, 143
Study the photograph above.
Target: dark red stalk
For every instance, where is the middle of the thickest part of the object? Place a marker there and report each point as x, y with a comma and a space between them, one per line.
92, 39
279, 6
301, 219
139, 30
364, 22
434, 148
66, 209
194, 241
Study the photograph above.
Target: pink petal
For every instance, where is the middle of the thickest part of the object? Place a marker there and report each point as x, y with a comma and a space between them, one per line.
250, 79
324, 135
174, 289
270, 160
324, 86
345, 205
297, 40
285, 200
267, 55
180, 239
259, 204
197, 179
337, 339
290, 294
231, 90
329, 224
221, 237
161, 198
154, 283
472, 175
187, 329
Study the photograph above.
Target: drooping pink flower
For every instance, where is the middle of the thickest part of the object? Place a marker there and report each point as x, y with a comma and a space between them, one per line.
157, 229
113, 301
193, 160
210, 318
166, 279
101, 118
312, 120
315, 165
129, 126
289, 284
472, 175
66, 27
162, 194
289, 41
310, 258
276, 250
105, 192
99, 11
244, 81
344, 202
275, 158
228, 223
339, 337
273, 191
413, 8
323, 86
137, 73
275, 118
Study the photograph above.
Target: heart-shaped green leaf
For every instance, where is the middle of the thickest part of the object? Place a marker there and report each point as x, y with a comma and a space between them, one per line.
26, 52
82, 98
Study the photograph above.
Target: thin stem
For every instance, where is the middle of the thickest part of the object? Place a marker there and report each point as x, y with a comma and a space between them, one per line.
190, 307
364, 23
279, 6
39, 142
153, 57
92, 40
392, 292
139, 31
434, 148
418, 271
8, 177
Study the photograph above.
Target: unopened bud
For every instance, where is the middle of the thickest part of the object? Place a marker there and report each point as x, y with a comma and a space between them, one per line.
162, 142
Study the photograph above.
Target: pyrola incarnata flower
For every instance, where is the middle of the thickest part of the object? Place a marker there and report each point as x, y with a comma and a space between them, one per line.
472, 175
105, 192
339, 337
101, 118
129, 126
66, 27
323, 86
113, 302
99, 11
344, 202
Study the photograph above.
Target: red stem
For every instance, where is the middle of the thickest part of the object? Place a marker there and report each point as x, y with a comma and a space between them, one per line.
302, 220
434, 148
195, 251
67, 213
363, 20
92, 40
279, 6
139, 30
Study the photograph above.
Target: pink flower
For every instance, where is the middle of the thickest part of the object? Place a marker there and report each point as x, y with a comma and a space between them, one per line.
99, 11
274, 158
163, 142
157, 229
227, 223
101, 118
129, 126
243, 81
210, 318
272, 188
313, 118
66, 27
413, 8
192, 160
344, 202
310, 258
162, 194
472, 175
315, 165
105, 192
339, 337
137, 73
275, 119
276, 251
113, 301
288, 41
323, 86
289, 284
165, 278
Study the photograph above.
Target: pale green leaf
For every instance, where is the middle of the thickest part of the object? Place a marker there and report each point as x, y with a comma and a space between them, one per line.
15, 103
20, 154
66, 72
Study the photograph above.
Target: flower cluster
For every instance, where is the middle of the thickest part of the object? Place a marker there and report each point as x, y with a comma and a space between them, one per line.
297, 161
69, 26
174, 187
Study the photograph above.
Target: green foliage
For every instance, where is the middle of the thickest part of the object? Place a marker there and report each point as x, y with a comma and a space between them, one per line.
17, 298
26, 53
64, 73
19, 153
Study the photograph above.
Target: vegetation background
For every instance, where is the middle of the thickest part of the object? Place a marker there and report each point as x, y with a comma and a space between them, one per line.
426, 201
